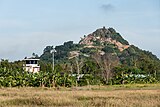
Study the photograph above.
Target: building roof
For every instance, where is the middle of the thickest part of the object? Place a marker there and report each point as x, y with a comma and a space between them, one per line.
26, 59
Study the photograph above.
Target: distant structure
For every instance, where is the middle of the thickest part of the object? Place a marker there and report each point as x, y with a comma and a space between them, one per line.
31, 65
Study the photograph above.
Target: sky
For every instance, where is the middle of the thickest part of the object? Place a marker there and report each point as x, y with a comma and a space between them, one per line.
28, 26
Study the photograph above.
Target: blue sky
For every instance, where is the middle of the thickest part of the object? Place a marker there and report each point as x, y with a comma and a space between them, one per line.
27, 26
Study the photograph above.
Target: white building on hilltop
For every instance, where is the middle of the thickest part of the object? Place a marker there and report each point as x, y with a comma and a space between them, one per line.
31, 65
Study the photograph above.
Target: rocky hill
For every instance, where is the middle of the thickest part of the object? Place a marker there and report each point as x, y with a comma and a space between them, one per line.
105, 36
102, 41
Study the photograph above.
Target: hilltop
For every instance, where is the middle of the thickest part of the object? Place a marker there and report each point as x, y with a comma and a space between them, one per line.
103, 37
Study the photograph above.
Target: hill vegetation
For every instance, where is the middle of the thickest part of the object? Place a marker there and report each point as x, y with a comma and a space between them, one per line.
106, 54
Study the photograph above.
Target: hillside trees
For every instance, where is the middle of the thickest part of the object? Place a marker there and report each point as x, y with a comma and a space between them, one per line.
129, 75
106, 63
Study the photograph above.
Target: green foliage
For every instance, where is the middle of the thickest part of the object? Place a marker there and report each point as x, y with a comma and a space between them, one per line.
42, 79
108, 49
90, 67
47, 56
89, 79
112, 30
62, 52
143, 60
130, 75
97, 43
11, 76
118, 37
88, 50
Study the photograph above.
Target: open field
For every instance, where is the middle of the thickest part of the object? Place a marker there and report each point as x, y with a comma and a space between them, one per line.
145, 95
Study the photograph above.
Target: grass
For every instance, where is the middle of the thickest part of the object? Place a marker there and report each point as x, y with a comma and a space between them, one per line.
138, 95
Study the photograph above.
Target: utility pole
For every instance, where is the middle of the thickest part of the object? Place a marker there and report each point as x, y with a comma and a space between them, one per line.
53, 77
53, 50
77, 67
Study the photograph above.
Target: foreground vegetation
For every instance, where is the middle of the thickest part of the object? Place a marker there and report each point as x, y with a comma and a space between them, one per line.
94, 96
22, 78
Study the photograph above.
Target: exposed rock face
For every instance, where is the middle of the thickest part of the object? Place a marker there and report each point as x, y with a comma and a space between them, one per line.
73, 54
102, 36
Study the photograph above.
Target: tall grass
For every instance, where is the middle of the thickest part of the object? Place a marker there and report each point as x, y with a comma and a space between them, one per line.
94, 96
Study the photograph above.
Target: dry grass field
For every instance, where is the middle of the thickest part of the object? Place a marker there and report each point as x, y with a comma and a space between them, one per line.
91, 96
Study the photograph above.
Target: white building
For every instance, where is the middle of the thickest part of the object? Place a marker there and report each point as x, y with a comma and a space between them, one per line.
31, 65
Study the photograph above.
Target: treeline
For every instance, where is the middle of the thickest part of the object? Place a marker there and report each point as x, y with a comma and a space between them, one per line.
79, 71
